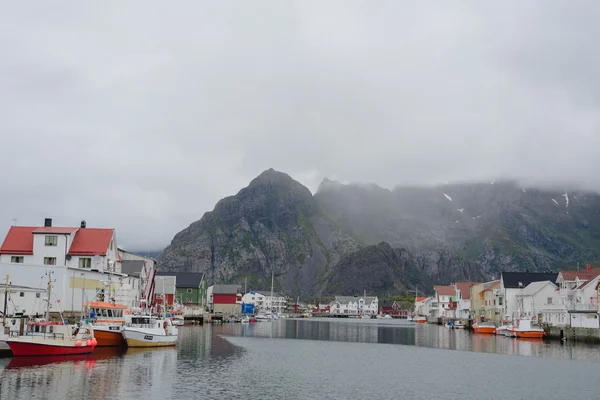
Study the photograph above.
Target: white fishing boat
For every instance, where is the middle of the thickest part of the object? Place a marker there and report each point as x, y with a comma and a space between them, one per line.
387, 316
150, 331
365, 316
263, 317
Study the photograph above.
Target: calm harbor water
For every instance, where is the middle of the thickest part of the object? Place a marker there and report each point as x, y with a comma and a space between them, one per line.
315, 359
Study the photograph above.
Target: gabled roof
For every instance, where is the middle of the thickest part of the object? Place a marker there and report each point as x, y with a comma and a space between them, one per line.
511, 279
419, 299
491, 285
87, 241
18, 240
585, 274
132, 267
465, 289
226, 289
55, 229
388, 304
535, 287
184, 279
348, 299
91, 242
445, 290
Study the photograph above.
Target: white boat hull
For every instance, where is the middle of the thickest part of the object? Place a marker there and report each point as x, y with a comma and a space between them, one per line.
148, 337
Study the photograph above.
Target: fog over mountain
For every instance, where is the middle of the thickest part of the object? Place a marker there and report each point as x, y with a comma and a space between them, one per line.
142, 117
346, 238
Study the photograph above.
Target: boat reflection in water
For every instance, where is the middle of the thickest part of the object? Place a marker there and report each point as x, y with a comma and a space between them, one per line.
89, 359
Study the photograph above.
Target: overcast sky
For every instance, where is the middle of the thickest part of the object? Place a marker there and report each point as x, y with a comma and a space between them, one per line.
142, 115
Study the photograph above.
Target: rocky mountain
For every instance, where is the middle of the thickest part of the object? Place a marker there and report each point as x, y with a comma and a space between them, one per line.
503, 226
388, 272
273, 225
347, 238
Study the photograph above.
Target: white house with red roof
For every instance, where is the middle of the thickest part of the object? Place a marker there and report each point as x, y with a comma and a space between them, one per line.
84, 260
579, 293
82, 247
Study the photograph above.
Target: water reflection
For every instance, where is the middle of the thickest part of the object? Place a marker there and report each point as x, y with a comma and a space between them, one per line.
406, 333
206, 363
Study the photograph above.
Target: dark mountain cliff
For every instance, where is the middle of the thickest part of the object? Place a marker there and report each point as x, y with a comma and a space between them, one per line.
332, 242
274, 224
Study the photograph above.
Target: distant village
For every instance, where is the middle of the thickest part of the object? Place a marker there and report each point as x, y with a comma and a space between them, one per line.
87, 261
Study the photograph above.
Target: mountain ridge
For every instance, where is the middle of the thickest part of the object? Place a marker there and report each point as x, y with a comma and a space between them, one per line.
276, 224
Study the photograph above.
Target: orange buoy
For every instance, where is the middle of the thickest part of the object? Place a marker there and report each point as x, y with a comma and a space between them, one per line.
88, 342
78, 343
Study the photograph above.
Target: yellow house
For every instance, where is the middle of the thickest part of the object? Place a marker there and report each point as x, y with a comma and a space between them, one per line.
485, 301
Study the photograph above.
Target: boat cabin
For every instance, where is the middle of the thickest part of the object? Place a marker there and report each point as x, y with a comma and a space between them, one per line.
106, 312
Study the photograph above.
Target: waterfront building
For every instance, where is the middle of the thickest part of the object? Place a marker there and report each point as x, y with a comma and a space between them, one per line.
445, 297
578, 303
537, 301
463, 298
82, 260
226, 299
423, 305
263, 301
487, 301
164, 291
190, 288
512, 283
354, 305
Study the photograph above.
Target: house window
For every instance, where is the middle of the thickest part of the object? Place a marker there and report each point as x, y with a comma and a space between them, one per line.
51, 240
85, 262
37, 295
21, 294
549, 300
189, 290
500, 300
49, 260
16, 259
494, 301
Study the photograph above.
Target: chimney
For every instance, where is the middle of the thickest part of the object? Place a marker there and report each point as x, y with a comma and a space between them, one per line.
83, 223
589, 266
48, 222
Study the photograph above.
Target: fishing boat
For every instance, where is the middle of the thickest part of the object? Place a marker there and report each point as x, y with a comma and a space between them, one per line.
263, 317
108, 320
43, 338
365, 316
503, 330
459, 325
48, 338
524, 329
150, 331
387, 316
484, 328
420, 319
449, 324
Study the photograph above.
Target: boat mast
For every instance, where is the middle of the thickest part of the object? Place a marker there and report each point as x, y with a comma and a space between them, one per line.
5, 301
49, 295
272, 276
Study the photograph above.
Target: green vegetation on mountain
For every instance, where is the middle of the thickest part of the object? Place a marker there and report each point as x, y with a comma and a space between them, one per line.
348, 238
